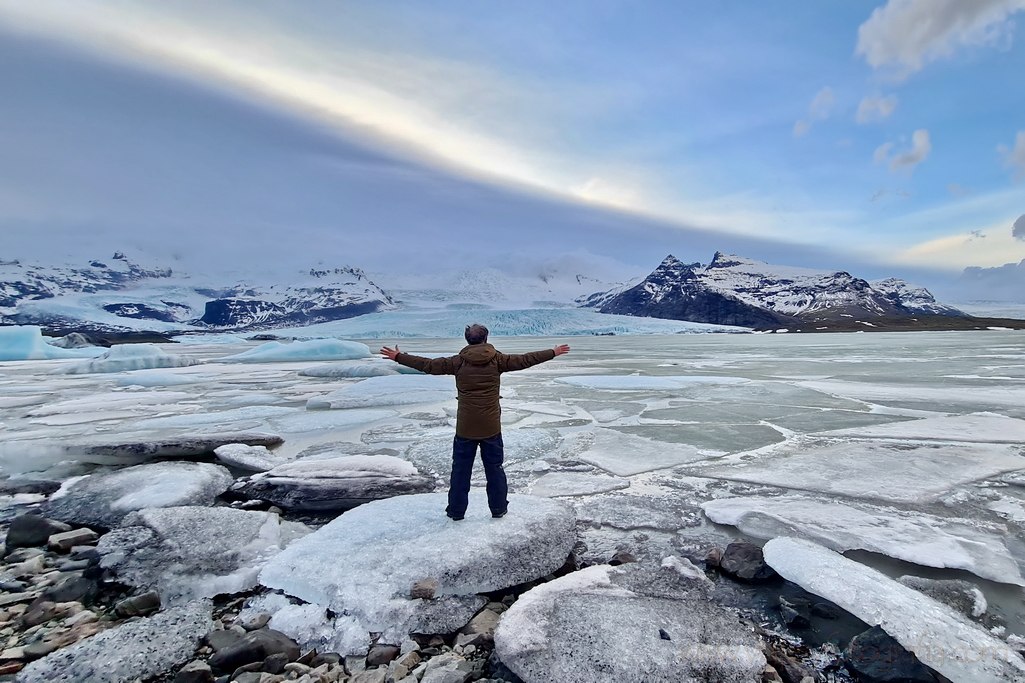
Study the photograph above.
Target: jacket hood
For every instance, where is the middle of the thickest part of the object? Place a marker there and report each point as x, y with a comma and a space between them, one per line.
478, 354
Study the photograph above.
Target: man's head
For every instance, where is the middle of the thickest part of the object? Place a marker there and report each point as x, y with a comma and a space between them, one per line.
476, 334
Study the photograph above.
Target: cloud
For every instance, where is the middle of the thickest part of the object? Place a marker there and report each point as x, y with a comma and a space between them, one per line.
1018, 229
875, 108
909, 158
1014, 157
819, 110
603, 191
905, 35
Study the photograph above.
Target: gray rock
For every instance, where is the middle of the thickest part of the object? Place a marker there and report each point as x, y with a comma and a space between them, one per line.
380, 655
216, 550
877, 658
73, 587
744, 561
135, 649
32, 530
138, 605
340, 483
605, 624
64, 541
103, 500
447, 668
196, 671
254, 647
363, 563
221, 638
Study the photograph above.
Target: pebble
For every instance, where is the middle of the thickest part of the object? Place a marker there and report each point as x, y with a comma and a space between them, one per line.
65, 541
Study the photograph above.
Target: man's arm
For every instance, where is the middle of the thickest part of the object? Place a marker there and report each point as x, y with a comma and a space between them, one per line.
522, 361
432, 366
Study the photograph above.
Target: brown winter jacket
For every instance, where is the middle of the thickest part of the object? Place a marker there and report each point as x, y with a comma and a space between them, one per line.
477, 369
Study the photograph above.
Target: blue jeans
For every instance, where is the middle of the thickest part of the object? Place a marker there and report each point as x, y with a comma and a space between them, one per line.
492, 453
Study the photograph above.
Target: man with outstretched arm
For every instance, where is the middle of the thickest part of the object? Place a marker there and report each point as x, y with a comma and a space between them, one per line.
477, 369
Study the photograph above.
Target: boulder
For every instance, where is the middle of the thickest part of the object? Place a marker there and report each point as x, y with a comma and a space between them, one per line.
142, 648
103, 500
31, 529
255, 646
744, 561
633, 622
215, 550
875, 657
337, 483
362, 564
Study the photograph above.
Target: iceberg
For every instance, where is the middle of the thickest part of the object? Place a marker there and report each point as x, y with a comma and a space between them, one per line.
26, 342
916, 537
365, 562
940, 637
313, 349
125, 357
396, 390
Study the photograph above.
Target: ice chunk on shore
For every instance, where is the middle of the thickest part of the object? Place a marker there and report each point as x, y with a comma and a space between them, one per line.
104, 499
365, 562
214, 550
940, 637
250, 458
625, 454
313, 349
397, 390
882, 470
646, 382
977, 427
916, 537
125, 357
26, 342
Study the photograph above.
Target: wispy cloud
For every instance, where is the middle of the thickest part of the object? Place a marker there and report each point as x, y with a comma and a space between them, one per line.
820, 109
907, 159
1014, 156
904, 36
875, 108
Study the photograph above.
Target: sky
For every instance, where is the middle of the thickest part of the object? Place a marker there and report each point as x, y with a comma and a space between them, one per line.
887, 136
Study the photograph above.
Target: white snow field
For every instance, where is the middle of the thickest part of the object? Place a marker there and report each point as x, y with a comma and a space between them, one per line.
906, 445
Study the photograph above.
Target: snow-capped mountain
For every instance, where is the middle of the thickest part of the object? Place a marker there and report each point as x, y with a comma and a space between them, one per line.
119, 295
733, 290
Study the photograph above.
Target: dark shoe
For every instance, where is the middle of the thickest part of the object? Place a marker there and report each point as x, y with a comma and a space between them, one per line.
497, 515
454, 518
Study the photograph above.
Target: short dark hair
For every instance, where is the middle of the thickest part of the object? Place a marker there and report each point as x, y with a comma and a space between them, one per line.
476, 334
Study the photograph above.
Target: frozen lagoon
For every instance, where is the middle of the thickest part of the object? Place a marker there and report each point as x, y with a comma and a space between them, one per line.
918, 425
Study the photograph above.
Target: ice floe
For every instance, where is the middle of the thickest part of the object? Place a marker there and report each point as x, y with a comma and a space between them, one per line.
359, 369
976, 427
916, 537
127, 357
625, 454
215, 550
940, 637
104, 499
646, 382
396, 390
914, 472
250, 458
313, 349
556, 484
26, 342
605, 624
365, 562
434, 454
335, 483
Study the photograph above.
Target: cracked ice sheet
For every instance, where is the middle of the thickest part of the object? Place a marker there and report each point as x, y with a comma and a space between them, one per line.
393, 390
977, 427
923, 539
645, 382
434, 453
626, 454
957, 397
882, 470
556, 484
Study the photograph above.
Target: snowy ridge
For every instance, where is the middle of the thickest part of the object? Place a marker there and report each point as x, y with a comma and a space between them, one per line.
735, 290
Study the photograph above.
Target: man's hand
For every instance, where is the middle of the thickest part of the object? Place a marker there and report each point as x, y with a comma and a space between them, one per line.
391, 353
561, 349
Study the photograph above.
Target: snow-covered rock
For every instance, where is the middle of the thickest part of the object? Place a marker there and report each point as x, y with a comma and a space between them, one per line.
916, 537
335, 483
396, 390
26, 342
313, 349
185, 553
364, 563
135, 650
125, 357
604, 625
244, 457
940, 637
104, 499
